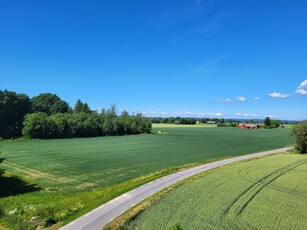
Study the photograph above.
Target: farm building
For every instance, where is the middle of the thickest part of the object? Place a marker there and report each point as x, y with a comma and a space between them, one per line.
211, 122
248, 126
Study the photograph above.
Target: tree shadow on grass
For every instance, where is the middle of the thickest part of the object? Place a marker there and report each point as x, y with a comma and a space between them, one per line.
12, 185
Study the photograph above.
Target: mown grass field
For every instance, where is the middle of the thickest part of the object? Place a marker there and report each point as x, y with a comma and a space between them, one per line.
67, 177
266, 193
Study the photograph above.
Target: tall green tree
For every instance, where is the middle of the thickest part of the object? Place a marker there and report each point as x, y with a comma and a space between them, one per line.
81, 107
267, 121
49, 103
13, 108
300, 133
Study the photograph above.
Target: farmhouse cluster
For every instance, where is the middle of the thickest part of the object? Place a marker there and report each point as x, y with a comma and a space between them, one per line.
254, 126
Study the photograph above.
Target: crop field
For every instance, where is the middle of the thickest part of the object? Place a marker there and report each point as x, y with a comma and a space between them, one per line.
265, 193
58, 180
200, 125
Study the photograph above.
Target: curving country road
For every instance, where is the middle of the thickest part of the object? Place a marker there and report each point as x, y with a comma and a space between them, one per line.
99, 217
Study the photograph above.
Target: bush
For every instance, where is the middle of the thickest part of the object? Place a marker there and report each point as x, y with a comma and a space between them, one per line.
300, 133
177, 227
270, 127
233, 124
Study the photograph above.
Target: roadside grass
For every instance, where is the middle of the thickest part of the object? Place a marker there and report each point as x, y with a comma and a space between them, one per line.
77, 175
264, 193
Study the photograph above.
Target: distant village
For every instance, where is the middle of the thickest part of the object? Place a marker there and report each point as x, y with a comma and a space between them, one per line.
220, 122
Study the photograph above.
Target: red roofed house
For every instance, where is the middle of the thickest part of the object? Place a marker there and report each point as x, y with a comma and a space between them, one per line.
248, 126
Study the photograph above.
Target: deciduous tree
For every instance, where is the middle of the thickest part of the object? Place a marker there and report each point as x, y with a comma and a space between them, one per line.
81, 107
13, 108
300, 133
267, 121
49, 103
39, 125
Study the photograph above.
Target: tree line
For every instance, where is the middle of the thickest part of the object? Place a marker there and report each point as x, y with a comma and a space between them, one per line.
48, 116
173, 120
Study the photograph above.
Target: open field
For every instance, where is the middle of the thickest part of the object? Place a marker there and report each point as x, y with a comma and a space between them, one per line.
67, 177
288, 126
266, 193
200, 125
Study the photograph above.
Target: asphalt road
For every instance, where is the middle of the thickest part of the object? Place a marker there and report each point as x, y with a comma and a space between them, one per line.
99, 217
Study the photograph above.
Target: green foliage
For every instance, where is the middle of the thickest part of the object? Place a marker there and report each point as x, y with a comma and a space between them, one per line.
49, 103
233, 124
61, 121
84, 125
265, 193
47, 116
276, 123
81, 107
13, 108
173, 120
270, 127
177, 226
39, 125
300, 133
267, 121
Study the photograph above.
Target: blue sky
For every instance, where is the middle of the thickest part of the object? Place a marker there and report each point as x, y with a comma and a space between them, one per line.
238, 59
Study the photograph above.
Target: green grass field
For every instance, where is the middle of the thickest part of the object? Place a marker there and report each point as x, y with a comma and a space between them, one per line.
62, 179
266, 193
200, 125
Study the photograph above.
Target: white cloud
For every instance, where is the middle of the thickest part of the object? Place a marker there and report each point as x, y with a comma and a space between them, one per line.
175, 114
216, 114
302, 88
219, 114
188, 113
279, 95
301, 92
241, 99
227, 100
247, 115
271, 116
256, 98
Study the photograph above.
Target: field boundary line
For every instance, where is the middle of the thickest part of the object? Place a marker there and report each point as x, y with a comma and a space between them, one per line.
100, 216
